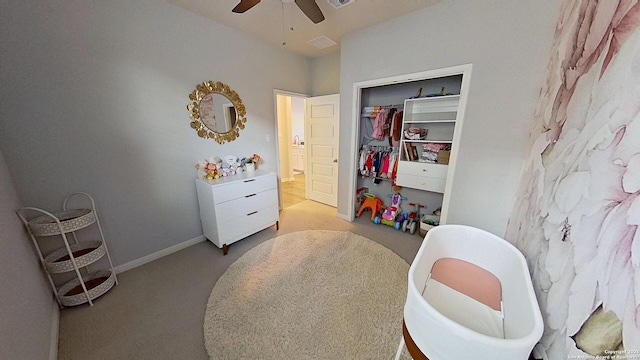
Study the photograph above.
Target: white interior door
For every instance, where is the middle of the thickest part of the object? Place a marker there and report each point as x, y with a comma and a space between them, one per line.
322, 118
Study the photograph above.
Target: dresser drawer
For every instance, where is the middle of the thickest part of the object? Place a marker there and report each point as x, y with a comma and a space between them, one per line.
237, 210
247, 224
242, 188
438, 171
421, 182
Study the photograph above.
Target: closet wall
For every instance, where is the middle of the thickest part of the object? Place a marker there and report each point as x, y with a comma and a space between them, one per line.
508, 44
389, 96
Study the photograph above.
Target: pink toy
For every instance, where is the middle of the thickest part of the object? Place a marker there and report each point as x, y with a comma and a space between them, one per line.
396, 199
390, 213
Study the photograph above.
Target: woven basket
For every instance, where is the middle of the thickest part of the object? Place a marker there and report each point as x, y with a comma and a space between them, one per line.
85, 253
443, 156
94, 291
70, 220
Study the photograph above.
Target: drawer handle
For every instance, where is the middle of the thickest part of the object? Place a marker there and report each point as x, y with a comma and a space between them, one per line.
250, 180
248, 196
425, 170
251, 213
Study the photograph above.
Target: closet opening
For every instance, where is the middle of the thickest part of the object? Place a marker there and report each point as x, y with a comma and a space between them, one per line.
406, 138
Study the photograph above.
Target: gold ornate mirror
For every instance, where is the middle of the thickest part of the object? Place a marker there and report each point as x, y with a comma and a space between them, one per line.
217, 112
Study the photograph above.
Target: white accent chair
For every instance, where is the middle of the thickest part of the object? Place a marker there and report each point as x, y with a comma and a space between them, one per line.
469, 297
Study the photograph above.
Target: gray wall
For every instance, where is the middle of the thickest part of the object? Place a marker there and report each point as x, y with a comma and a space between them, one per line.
325, 75
27, 300
94, 97
508, 44
94, 94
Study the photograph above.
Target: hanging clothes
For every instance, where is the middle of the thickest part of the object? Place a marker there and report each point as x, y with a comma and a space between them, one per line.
392, 164
386, 129
376, 123
378, 126
371, 111
397, 129
378, 162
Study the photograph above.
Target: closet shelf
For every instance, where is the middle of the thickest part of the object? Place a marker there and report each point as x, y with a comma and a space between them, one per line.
437, 117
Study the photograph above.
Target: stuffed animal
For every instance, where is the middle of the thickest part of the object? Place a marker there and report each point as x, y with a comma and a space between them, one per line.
231, 159
212, 171
202, 169
216, 160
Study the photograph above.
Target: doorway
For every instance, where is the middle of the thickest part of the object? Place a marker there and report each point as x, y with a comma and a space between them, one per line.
290, 112
322, 120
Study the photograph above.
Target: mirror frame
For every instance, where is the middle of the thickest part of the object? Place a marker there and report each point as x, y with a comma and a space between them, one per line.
211, 87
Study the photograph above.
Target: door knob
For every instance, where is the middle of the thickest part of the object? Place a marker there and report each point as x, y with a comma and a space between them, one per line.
335, 160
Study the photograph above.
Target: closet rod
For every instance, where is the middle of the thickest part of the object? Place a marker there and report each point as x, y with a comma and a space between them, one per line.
379, 147
385, 106
370, 111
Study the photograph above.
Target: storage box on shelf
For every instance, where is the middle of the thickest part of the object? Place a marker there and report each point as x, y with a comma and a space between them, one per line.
74, 256
429, 120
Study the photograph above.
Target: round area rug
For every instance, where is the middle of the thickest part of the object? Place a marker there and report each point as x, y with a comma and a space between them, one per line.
314, 294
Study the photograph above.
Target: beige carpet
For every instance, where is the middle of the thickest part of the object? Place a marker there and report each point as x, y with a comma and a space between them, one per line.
314, 294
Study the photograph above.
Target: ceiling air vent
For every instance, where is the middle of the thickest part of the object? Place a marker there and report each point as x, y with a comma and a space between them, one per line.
340, 3
322, 42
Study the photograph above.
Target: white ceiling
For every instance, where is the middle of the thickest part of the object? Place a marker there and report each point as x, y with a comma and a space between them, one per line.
271, 20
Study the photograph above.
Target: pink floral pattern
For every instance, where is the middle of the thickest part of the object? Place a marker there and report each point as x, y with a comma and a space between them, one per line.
578, 208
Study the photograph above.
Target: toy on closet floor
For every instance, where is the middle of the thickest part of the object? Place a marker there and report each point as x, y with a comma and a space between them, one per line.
372, 203
428, 222
360, 197
411, 223
392, 215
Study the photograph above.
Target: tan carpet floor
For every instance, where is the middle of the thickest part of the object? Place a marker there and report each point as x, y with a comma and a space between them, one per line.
315, 294
157, 310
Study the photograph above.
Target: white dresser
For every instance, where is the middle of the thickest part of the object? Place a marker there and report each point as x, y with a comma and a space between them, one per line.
234, 207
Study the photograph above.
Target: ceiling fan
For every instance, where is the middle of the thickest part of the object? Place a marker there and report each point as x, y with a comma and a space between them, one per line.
308, 7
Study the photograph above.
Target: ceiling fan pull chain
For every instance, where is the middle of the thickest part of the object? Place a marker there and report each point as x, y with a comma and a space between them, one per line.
284, 43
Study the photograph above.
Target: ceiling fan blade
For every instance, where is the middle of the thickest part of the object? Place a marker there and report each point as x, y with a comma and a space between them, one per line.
245, 5
311, 9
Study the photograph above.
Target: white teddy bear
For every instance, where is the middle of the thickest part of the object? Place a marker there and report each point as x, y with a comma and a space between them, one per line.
202, 171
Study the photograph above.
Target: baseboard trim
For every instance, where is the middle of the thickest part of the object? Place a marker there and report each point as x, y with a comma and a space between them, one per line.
158, 254
55, 331
344, 217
